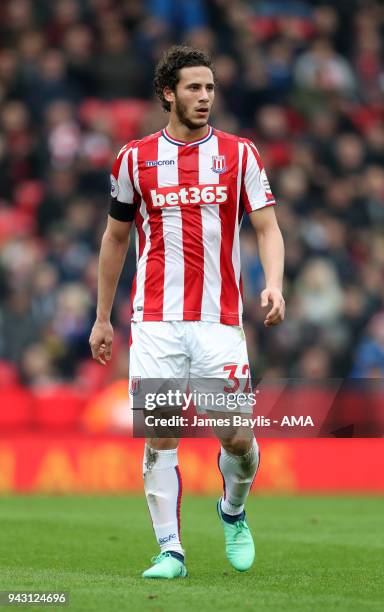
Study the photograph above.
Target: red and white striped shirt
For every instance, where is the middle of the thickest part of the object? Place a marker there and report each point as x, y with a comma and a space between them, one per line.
190, 201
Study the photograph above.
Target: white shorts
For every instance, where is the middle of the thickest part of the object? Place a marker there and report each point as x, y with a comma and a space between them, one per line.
190, 351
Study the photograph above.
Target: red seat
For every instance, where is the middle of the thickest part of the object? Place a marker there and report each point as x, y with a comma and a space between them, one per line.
15, 223
127, 117
91, 109
28, 196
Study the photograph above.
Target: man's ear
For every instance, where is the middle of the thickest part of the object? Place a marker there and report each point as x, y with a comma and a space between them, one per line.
169, 95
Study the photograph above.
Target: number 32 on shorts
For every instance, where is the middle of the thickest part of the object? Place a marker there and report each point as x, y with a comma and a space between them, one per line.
237, 373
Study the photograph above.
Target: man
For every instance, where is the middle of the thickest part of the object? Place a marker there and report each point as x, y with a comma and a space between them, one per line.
186, 187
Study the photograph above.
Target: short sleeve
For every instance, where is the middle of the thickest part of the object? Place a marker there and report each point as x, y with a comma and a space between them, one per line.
122, 188
255, 189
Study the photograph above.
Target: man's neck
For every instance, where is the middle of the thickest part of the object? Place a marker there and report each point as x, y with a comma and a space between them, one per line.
179, 131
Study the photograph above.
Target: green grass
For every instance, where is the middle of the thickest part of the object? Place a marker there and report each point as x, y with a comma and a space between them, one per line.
313, 554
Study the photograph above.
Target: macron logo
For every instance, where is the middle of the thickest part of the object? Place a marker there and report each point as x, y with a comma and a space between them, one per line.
160, 162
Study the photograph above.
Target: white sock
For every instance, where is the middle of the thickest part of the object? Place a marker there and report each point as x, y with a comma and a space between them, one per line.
163, 488
238, 472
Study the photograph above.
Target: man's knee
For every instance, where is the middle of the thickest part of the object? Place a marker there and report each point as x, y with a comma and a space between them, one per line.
237, 445
163, 443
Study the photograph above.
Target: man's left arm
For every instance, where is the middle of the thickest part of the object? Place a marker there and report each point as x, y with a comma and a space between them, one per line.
271, 252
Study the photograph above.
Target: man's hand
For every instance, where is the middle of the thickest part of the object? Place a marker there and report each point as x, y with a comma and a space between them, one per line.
100, 340
276, 314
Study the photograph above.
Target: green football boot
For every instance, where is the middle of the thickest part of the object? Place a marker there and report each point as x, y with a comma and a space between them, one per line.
165, 566
239, 546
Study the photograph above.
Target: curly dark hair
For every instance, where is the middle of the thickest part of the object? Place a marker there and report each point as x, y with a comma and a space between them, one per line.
167, 69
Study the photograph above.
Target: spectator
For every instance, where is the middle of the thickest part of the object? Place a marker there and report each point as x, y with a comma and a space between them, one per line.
321, 68
119, 73
304, 80
370, 352
319, 293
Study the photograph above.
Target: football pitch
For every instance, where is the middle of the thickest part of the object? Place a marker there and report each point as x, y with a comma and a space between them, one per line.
313, 553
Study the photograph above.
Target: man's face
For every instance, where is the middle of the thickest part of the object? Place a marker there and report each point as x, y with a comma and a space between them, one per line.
192, 101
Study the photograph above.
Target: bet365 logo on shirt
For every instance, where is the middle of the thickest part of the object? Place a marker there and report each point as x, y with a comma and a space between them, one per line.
175, 196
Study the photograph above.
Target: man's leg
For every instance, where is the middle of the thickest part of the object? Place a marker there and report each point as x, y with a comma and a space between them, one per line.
163, 489
220, 361
238, 462
158, 357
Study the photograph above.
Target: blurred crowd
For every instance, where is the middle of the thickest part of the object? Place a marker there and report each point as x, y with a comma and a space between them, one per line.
304, 80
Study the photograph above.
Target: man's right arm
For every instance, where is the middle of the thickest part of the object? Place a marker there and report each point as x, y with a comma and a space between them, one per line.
113, 251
